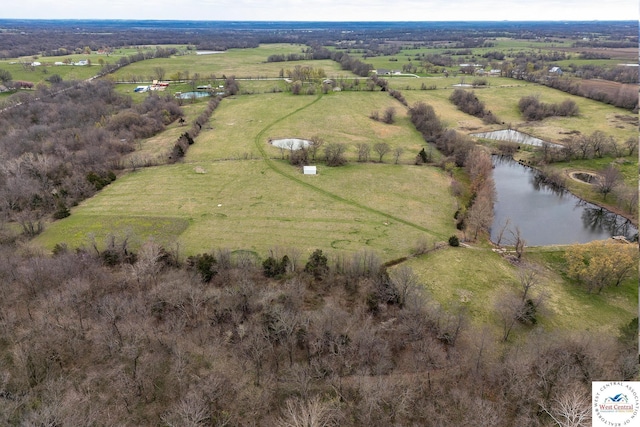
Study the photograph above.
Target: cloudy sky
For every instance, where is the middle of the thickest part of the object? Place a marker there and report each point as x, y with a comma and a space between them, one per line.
326, 10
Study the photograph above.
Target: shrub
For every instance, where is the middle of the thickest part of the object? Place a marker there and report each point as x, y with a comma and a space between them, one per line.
454, 241
61, 212
205, 265
101, 180
271, 267
528, 313
317, 264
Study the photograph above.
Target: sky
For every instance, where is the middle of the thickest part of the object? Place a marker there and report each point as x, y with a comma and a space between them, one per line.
327, 10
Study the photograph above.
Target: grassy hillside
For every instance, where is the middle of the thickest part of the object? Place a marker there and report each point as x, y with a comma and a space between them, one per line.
476, 280
226, 195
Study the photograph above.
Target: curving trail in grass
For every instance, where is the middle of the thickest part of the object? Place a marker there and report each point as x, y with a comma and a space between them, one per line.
274, 167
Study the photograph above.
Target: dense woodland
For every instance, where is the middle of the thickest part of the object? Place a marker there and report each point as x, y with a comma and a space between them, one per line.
69, 144
112, 337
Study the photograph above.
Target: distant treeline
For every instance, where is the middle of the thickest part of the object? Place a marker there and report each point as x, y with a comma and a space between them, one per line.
60, 37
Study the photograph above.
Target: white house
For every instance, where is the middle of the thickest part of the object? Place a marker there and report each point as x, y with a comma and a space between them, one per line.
309, 170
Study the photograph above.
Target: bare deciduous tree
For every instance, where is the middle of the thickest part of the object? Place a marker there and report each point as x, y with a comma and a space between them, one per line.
381, 148
528, 278
191, 411
314, 145
480, 215
632, 145
334, 154
363, 151
397, 152
570, 409
517, 241
509, 308
389, 115
313, 412
406, 283
608, 179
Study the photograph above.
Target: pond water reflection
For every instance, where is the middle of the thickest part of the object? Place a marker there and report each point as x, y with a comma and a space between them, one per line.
546, 216
515, 136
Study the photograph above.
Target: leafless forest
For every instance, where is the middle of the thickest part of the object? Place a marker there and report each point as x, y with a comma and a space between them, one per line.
111, 337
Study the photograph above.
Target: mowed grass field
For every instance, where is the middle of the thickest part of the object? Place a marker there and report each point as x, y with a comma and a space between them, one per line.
221, 198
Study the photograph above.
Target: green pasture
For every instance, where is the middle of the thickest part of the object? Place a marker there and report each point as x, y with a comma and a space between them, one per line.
220, 197
344, 118
40, 73
477, 278
242, 63
246, 205
502, 95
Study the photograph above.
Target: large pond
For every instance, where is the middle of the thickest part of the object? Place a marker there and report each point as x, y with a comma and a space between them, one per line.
545, 216
515, 136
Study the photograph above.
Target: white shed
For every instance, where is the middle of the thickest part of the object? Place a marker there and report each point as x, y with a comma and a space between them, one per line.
309, 170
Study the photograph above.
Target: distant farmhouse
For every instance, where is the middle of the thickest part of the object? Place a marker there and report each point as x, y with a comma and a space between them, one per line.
555, 70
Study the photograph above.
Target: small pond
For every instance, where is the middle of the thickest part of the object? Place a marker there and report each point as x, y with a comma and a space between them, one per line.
515, 136
546, 216
190, 95
290, 143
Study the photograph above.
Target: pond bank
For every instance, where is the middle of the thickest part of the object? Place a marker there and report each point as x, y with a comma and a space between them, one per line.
546, 216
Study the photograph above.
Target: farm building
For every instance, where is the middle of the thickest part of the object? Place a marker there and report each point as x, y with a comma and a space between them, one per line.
309, 170
160, 86
555, 70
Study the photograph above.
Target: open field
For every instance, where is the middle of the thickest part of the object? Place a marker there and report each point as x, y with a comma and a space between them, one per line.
384, 207
40, 73
511, 48
242, 63
502, 99
260, 209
